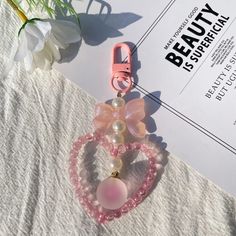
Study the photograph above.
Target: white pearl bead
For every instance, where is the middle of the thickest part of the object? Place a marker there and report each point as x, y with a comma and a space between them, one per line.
117, 139
119, 126
116, 164
118, 102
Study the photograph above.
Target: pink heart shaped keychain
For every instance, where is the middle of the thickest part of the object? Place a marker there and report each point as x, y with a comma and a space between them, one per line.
111, 123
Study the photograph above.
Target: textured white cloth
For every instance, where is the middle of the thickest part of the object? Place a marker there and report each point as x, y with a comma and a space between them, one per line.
40, 116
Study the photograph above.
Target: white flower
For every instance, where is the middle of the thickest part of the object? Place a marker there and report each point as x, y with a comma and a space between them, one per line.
40, 40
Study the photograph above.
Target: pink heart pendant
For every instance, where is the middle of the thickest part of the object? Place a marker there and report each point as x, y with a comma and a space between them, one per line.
113, 199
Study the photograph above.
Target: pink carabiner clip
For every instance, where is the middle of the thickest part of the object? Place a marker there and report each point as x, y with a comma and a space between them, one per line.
121, 72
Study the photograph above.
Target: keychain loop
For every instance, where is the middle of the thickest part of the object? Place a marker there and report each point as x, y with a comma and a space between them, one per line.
121, 72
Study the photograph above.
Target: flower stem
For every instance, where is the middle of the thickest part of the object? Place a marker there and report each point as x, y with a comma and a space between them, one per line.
20, 13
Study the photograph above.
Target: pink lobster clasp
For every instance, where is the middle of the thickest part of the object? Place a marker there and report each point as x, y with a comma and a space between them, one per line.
121, 72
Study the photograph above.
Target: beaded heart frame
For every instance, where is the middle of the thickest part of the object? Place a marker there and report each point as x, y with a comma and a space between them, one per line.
90, 205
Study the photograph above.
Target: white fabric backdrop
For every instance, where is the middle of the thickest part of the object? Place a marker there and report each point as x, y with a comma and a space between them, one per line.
40, 115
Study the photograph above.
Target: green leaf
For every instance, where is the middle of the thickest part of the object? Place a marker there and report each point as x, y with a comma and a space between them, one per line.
49, 7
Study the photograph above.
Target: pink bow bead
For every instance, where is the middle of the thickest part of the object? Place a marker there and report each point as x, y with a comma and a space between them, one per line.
132, 114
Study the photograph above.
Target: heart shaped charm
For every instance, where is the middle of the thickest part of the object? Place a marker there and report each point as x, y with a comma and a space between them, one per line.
118, 120
112, 197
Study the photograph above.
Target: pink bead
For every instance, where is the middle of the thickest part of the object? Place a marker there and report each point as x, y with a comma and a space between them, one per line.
91, 197
76, 145
141, 191
93, 213
128, 147
147, 184
73, 161
112, 193
101, 218
121, 149
114, 152
87, 189
97, 137
150, 177
117, 214
137, 145
131, 204
78, 192
137, 199
152, 169
110, 216
72, 171
152, 161
143, 147
153, 154
133, 146
73, 153
74, 180
89, 137
125, 209
149, 153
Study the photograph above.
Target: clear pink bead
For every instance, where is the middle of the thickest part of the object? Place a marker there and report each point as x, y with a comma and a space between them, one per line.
137, 199
125, 209
91, 197
73, 152
78, 192
128, 147
153, 153
137, 145
152, 161
133, 146
117, 214
109, 216
141, 191
121, 149
101, 218
97, 137
143, 148
114, 152
147, 183
152, 170
74, 180
150, 177
89, 137
73, 161
131, 204
72, 171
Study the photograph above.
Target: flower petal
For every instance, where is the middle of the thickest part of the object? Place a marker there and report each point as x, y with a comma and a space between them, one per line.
65, 32
54, 50
29, 64
44, 27
35, 38
22, 49
43, 59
